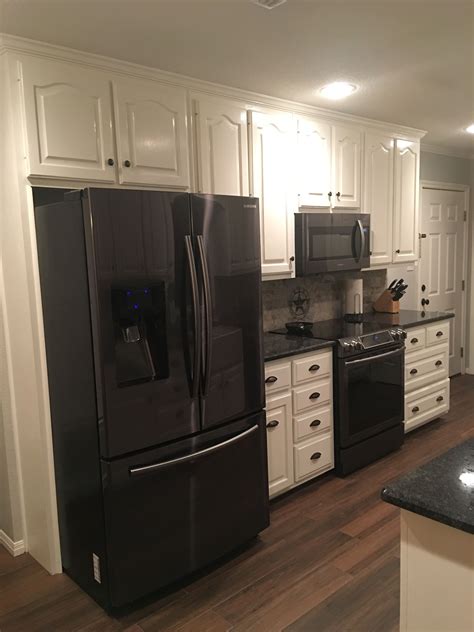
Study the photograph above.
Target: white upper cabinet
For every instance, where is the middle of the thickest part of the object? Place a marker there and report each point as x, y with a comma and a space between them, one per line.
346, 167
273, 147
313, 163
405, 214
221, 146
68, 117
151, 129
378, 195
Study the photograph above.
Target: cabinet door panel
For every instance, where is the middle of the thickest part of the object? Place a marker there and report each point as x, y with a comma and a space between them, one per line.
273, 137
222, 147
346, 171
68, 121
405, 216
378, 196
313, 163
279, 444
151, 126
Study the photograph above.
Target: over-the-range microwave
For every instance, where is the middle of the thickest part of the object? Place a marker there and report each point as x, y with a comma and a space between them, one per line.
329, 242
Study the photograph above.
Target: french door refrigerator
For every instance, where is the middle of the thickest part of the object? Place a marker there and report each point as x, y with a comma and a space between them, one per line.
152, 319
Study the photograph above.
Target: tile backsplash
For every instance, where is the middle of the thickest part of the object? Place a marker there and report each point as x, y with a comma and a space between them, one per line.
322, 295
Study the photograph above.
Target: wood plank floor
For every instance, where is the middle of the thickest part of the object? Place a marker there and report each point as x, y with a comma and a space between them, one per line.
329, 561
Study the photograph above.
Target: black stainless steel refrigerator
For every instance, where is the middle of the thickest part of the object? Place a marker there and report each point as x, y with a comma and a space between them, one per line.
152, 318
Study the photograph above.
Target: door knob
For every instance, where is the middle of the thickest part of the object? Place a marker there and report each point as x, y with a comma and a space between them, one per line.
423, 287
425, 301
127, 163
110, 162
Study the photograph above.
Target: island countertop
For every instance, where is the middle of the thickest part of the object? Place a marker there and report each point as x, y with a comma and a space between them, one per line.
442, 489
407, 318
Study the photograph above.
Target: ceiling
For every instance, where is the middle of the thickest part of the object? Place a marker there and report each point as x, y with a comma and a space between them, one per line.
413, 59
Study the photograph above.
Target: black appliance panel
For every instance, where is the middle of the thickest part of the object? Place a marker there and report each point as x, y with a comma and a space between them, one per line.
370, 394
331, 242
227, 246
171, 510
140, 278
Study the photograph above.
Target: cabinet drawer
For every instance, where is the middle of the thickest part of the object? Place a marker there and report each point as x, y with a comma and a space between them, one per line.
312, 367
311, 458
305, 426
416, 339
314, 394
277, 377
426, 404
437, 333
426, 368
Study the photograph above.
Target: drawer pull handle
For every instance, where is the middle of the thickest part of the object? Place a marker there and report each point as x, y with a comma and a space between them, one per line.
439, 334
413, 371
315, 395
315, 423
273, 423
271, 379
415, 409
315, 456
414, 341
440, 398
314, 367
438, 363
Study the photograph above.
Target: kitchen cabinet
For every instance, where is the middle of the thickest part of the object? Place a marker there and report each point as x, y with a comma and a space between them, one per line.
378, 195
68, 121
151, 132
405, 213
279, 444
300, 435
221, 146
273, 136
346, 167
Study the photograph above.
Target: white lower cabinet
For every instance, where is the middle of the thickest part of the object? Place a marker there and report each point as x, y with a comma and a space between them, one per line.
426, 374
300, 435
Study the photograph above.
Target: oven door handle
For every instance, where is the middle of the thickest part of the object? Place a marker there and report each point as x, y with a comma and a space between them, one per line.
375, 357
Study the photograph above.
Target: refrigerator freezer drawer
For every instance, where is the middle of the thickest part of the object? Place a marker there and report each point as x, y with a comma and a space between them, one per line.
171, 511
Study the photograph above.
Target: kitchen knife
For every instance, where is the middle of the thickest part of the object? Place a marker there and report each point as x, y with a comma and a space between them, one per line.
392, 284
397, 286
400, 292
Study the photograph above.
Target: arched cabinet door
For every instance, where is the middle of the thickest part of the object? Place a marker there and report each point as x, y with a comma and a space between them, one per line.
68, 121
151, 127
405, 214
346, 167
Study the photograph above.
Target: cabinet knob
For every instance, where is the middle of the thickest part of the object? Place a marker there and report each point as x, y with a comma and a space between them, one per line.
413, 371
273, 423
127, 163
315, 395
315, 456
292, 258
110, 162
314, 367
415, 409
271, 379
440, 398
315, 423
338, 195
330, 194
438, 363
397, 251
439, 334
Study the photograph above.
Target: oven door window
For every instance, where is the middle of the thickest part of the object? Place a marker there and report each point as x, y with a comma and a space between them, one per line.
373, 394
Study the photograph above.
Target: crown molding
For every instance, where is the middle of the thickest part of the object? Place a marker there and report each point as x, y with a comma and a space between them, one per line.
21, 45
446, 151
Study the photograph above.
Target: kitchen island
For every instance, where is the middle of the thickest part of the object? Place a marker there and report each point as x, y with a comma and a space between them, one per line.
437, 542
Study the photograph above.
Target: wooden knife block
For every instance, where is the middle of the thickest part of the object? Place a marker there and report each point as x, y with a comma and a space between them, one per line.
386, 304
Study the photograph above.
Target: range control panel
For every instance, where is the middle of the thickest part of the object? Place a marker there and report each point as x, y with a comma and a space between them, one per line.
366, 342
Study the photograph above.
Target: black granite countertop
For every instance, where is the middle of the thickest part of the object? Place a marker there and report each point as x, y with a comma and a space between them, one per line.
442, 490
275, 346
407, 318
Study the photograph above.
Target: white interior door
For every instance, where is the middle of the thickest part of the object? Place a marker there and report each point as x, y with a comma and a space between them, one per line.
442, 261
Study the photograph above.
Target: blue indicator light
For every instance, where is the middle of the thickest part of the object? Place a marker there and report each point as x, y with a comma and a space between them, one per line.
146, 291
135, 306
129, 293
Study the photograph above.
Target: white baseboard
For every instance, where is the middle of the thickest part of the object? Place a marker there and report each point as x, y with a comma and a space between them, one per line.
14, 548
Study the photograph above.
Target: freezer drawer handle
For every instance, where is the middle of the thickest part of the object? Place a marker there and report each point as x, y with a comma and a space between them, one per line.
273, 423
413, 371
414, 341
438, 363
315, 395
315, 423
439, 334
440, 398
415, 409
144, 469
314, 367
271, 379
315, 456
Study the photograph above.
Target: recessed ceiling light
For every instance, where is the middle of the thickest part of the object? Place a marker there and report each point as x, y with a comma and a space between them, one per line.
338, 90
470, 129
269, 4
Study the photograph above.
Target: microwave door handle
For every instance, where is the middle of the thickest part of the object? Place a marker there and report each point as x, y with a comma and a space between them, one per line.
374, 357
196, 316
362, 239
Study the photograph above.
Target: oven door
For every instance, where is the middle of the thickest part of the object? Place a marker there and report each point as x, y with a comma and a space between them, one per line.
331, 242
370, 394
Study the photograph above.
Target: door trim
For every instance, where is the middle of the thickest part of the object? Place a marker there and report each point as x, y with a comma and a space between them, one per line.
461, 188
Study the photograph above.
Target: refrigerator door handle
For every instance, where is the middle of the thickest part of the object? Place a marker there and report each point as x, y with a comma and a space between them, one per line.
196, 316
207, 314
144, 469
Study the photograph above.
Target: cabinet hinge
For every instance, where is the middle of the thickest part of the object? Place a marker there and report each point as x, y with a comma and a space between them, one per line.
463, 285
462, 352
465, 216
